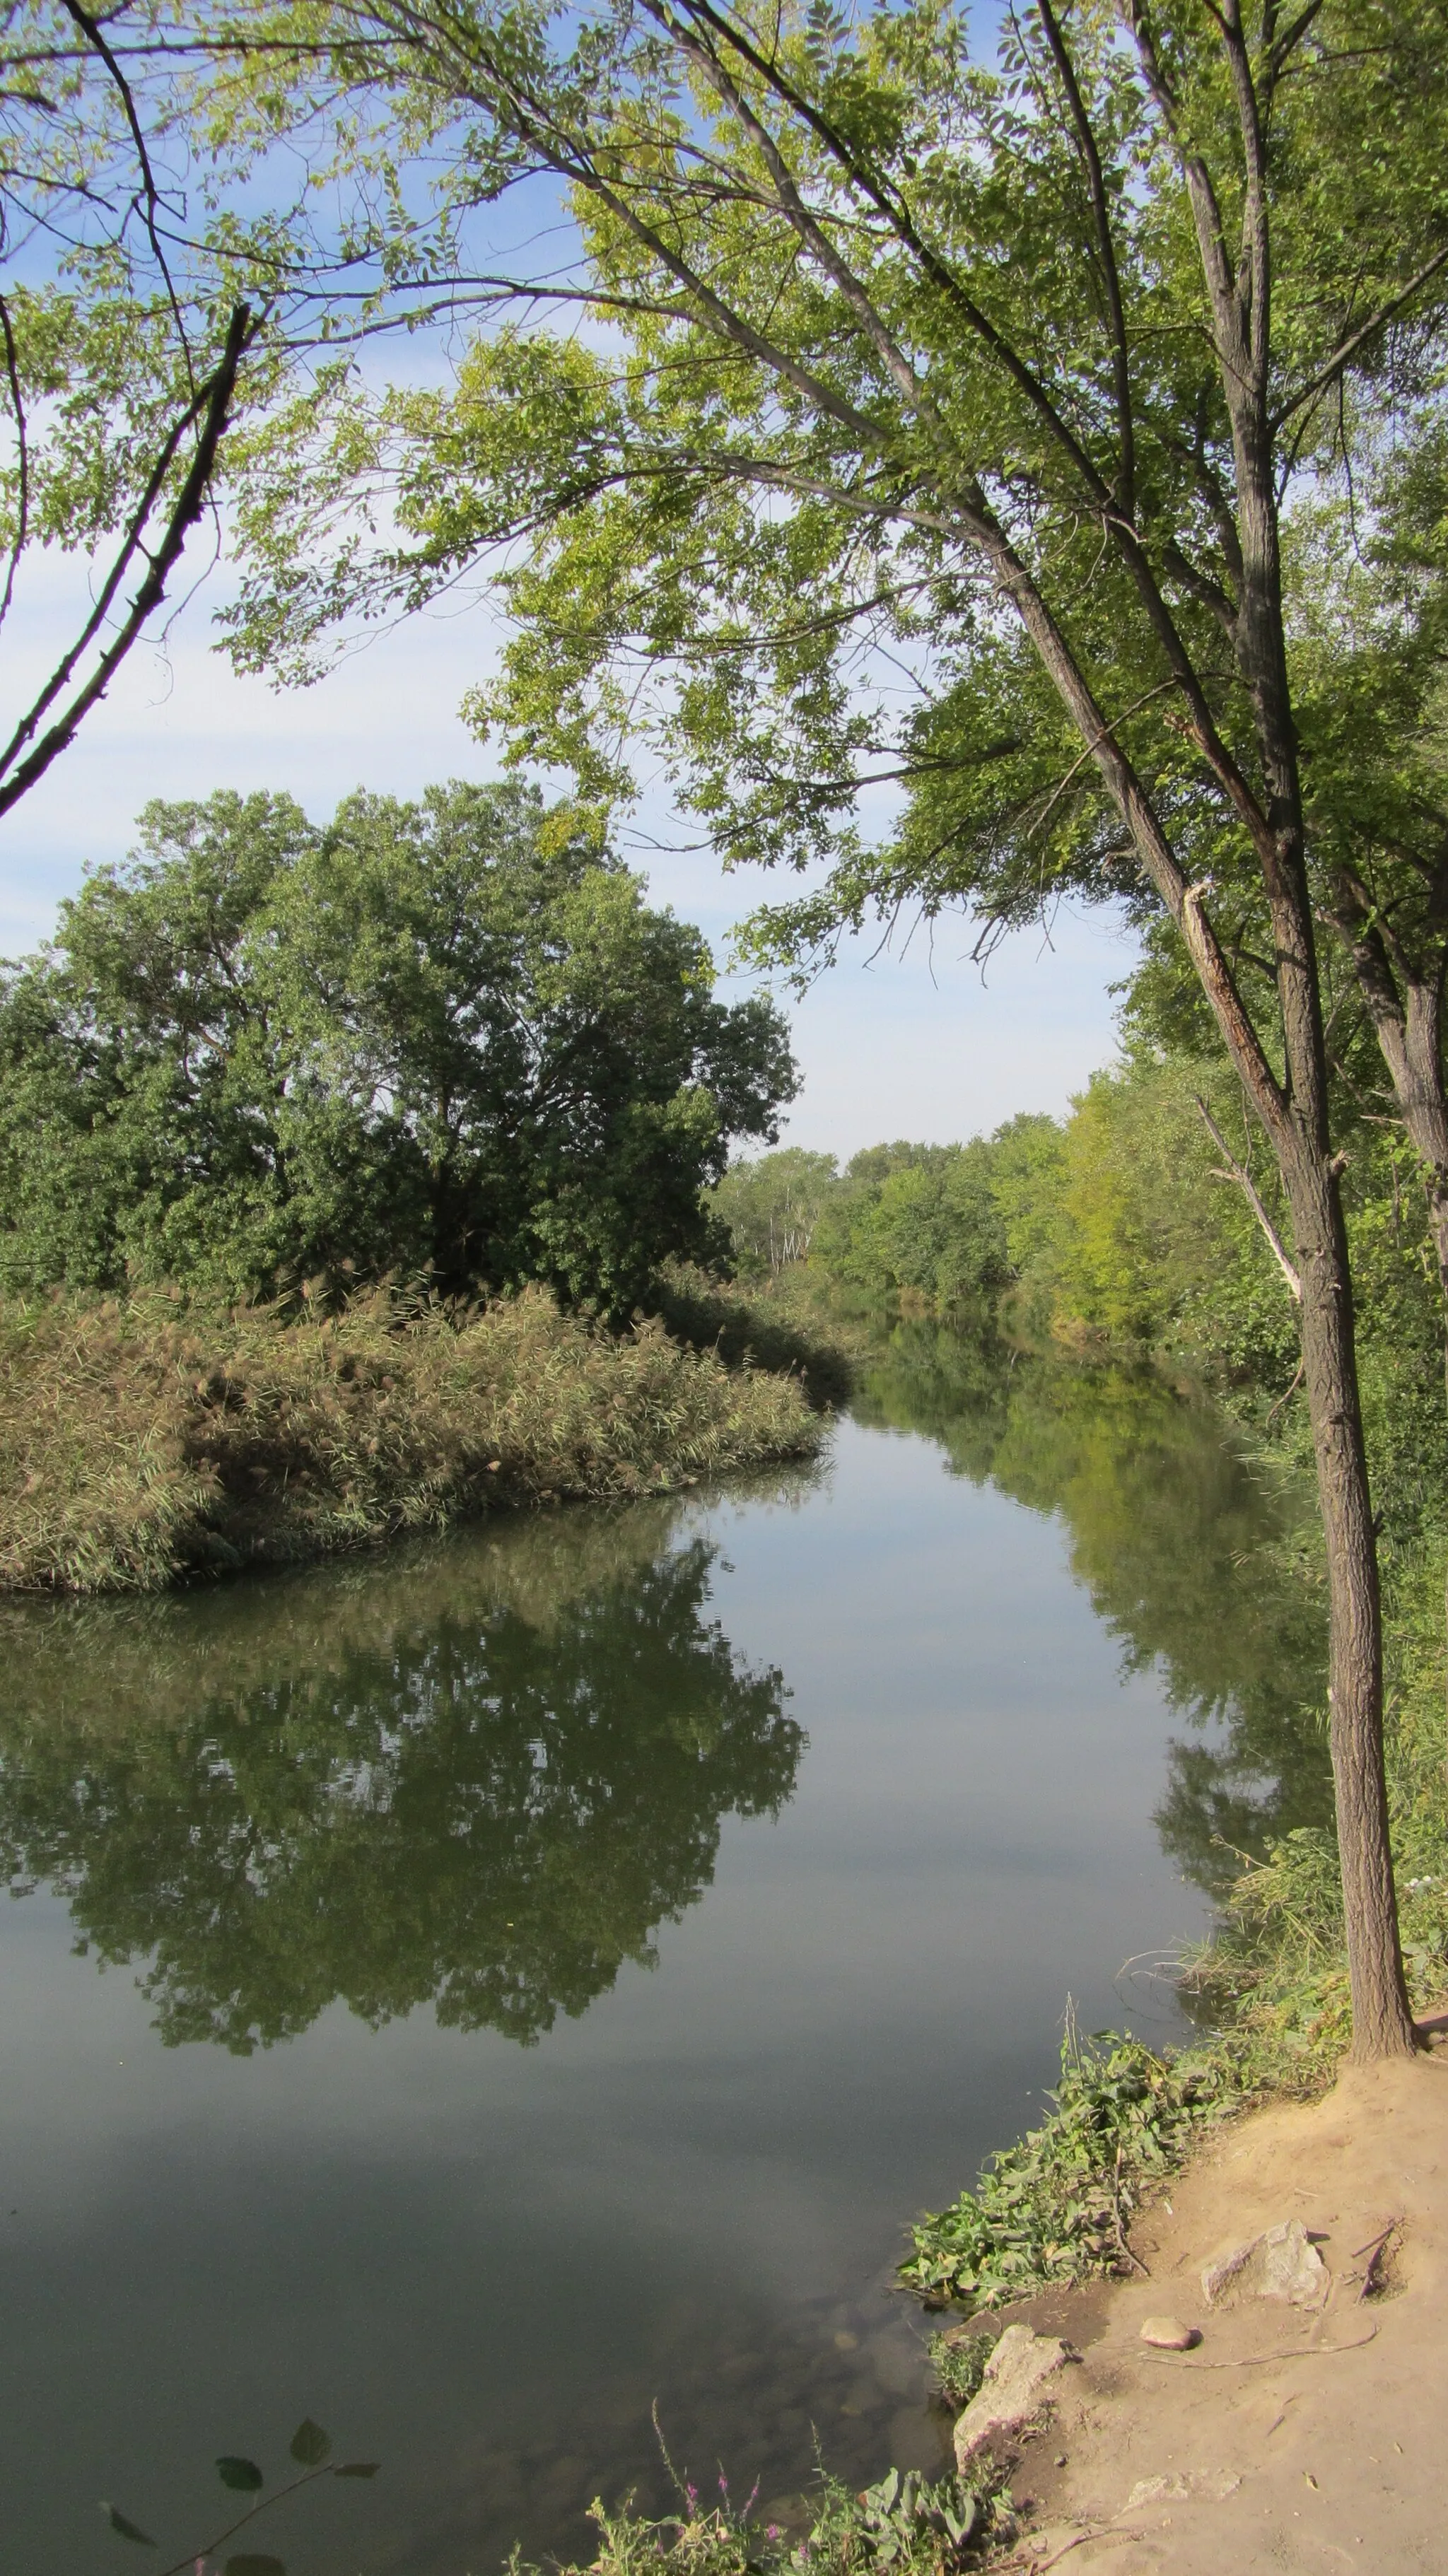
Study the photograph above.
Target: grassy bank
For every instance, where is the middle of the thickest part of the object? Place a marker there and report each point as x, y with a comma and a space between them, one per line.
140, 1442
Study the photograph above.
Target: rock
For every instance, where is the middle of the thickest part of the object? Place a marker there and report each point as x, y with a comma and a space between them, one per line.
1281, 2263
1156, 2491
1214, 2484
1168, 2334
1014, 2388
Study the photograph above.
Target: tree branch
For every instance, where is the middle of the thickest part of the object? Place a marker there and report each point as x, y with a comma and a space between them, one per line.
213, 407
1239, 1173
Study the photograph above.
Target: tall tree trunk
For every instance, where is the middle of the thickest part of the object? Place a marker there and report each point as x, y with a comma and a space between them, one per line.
1382, 2019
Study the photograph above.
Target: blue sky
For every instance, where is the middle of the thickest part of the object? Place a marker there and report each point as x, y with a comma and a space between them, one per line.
902, 1046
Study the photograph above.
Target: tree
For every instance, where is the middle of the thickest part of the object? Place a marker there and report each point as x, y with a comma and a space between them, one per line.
448, 1037
131, 340
1006, 370
772, 1206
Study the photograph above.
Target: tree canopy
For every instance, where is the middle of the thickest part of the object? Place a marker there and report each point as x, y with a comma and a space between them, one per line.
448, 1037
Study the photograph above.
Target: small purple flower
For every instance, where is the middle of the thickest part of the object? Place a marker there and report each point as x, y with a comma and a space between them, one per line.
771, 2531
693, 2495
723, 2484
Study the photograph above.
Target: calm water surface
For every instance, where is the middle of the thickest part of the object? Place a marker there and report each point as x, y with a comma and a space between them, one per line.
471, 1996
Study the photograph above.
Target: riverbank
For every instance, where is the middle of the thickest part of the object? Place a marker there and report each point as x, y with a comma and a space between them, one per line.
142, 1442
1299, 2431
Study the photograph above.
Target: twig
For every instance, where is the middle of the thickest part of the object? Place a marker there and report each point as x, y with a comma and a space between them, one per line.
1379, 2247
1264, 2360
1122, 2245
1039, 2566
1291, 1391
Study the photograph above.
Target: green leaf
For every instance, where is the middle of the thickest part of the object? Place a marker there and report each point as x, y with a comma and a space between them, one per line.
310, 2444
358, 2469
123, 2524
250, 2565
239, 2473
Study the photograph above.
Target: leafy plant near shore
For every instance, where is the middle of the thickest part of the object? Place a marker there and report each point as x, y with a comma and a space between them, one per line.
958, 2361
1055, 2207
906, 2524
139, 1443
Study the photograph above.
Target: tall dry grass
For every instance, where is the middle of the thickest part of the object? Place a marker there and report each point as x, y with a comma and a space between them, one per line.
140, 1442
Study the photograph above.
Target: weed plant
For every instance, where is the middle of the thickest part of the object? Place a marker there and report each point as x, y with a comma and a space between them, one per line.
1055, 2207
958, 2361
909, 2525
141, 1442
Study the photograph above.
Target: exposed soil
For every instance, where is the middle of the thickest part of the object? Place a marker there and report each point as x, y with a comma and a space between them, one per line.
1287, 2438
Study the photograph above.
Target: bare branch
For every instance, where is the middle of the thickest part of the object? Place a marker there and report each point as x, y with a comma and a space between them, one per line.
1239, 1173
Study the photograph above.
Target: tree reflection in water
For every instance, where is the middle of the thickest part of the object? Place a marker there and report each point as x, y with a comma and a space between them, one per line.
1190, 1558
480, 1777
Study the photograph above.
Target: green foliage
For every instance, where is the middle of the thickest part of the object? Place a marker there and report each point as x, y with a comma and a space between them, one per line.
139, 1443
958, 2361
772, 1206
447, 1036
908, 2524
1055, 2207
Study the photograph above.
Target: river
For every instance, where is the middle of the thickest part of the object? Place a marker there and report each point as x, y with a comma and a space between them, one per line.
474, 1995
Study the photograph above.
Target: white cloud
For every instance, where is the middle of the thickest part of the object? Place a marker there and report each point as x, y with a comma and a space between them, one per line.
913, 1046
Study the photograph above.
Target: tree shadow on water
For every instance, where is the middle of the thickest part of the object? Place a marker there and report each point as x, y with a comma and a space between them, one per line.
480, 1777
1190, 1557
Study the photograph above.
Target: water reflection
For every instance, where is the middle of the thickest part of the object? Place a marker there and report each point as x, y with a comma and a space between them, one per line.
481, 1780
1183, 1551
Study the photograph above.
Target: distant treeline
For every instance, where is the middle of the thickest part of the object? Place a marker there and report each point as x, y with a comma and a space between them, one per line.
1144, 1221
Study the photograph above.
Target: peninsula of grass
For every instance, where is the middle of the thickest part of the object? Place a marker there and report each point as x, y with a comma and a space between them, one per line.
142, 1442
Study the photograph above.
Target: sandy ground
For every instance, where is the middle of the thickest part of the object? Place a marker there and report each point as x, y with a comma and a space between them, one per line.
1285, 2439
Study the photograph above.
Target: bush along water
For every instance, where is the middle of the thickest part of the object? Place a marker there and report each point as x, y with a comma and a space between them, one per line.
142, 1441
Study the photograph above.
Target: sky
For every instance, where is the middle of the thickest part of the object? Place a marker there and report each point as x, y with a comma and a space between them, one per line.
917, 1045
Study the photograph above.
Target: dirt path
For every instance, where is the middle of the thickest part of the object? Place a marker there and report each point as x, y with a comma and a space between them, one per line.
1289, 2438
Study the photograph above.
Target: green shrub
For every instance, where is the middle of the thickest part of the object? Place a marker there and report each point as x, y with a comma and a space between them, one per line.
1055, 2207
140, 1442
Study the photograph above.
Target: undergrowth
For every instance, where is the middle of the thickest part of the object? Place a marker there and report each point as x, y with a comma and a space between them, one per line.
772, 1325
909, 2524
1056, 2206
140, 1442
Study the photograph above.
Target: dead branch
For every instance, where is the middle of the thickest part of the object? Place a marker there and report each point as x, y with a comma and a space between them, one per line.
1239, 1173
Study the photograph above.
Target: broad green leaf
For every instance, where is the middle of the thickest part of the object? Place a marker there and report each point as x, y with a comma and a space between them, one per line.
310, 2444
239, 2473
122, 2523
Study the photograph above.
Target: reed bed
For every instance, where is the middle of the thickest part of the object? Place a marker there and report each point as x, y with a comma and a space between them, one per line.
142, 1441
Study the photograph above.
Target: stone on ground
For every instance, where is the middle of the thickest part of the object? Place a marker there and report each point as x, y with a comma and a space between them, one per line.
1168, 2334
1014, 2389
1281, 2263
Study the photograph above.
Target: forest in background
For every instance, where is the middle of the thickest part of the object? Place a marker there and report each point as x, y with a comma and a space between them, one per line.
1148, 1223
